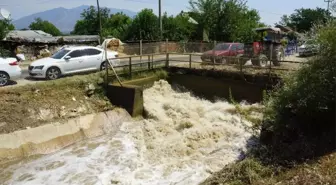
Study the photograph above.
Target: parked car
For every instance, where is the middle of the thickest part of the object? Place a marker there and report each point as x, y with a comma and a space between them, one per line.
71, 60
219, 53
308, 48
9, 70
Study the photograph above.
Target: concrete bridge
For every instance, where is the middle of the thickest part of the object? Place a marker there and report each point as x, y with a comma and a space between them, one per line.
212, 81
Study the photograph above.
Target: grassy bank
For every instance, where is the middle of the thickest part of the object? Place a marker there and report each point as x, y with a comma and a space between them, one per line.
252, 171
33, 105
261, 166
297, 138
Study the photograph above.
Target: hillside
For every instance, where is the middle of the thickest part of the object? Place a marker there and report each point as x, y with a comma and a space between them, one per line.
64, 19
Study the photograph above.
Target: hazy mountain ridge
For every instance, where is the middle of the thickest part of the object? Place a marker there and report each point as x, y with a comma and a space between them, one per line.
64, 19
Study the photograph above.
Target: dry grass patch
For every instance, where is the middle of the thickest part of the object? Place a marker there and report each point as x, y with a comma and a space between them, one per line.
34, 104
253, 172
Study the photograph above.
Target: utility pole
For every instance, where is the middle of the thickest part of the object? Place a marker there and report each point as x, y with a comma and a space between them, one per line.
100, 25
160, 19
328, 1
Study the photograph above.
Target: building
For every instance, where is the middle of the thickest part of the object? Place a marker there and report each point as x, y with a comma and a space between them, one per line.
31, 42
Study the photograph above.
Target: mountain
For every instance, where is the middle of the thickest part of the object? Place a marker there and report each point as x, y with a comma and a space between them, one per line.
64, 19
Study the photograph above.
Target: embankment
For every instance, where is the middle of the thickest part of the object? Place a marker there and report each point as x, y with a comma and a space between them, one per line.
53, 136
45, 117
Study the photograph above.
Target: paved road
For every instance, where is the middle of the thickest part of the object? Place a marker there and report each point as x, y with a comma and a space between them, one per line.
135, 60
177, 59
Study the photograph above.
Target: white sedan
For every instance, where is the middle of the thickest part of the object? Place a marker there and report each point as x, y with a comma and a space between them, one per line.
70, 60
9, 70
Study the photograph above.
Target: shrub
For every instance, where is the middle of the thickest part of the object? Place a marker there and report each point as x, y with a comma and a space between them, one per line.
248, 171
300, 116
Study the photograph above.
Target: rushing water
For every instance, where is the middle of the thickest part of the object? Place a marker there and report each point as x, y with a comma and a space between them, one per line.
183, 142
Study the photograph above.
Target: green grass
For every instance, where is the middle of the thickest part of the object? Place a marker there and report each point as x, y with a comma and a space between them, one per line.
247, 113
252, 171
262, 167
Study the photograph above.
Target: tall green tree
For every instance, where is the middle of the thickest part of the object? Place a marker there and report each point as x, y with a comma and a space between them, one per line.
303, 19
5, 26
89, 24
177, 28
45, 26
117, 26
225, 20
144, 26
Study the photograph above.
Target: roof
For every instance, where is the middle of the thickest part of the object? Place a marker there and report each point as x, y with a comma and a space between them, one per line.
284, 28
38, 36
29, 36
268, 29
79, 38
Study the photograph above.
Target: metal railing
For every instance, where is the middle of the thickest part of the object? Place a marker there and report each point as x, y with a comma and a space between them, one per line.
133, 64
240, 63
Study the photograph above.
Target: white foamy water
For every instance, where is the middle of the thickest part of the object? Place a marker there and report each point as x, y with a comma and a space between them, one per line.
183, 142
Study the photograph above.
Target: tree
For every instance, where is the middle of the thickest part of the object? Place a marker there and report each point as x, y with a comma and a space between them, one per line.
5, 26
144, 26
45, 26
89, 24
227, 20
177, 28
302, 111
117, 26
303, 19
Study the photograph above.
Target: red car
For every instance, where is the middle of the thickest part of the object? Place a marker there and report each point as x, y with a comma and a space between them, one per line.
221, 51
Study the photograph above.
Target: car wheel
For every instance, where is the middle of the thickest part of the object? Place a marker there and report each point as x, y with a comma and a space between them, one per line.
4, 79
261, 61
53, 73
103, 66
221, 61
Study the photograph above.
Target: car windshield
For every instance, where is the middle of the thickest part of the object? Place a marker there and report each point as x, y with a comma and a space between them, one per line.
222, 47
60, 54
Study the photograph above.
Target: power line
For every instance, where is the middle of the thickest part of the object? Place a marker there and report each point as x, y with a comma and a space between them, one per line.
160, 19
328, 1
100, 23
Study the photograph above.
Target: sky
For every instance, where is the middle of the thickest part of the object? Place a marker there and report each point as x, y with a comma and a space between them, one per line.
270, 10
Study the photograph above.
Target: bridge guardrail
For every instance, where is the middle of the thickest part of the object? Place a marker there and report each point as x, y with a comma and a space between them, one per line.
140, 63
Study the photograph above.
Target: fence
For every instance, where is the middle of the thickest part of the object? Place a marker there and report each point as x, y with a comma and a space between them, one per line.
133, 64
145, 48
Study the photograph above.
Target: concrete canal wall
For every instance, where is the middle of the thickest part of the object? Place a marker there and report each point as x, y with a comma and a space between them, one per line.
53, 136
216, 84
57, 135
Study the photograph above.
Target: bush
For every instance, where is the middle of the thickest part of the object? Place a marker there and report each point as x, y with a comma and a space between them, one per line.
300, 117
248, 171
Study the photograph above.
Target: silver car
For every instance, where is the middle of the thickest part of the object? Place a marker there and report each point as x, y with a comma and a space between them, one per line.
9, 70
308, 48
71, 60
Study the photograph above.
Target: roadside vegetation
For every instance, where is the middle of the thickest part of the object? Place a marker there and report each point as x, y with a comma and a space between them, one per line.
297, 139
33, 105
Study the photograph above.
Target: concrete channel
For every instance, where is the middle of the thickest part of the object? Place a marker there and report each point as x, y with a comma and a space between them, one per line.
206, 84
